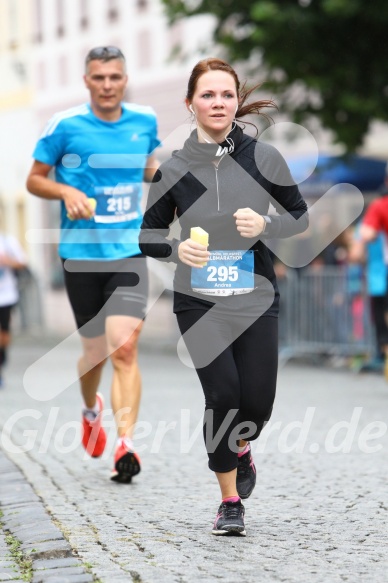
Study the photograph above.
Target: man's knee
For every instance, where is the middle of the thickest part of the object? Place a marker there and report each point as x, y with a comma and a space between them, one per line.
124, 349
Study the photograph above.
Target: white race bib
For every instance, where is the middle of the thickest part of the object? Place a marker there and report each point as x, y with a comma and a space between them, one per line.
226, 273
117, 204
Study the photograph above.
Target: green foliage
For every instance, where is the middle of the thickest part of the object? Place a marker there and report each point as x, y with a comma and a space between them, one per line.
322, 58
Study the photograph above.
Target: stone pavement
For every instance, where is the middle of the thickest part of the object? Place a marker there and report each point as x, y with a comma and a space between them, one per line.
319, 512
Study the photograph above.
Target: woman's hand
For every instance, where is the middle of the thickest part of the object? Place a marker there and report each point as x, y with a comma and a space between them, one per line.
249, 223
77, 203
192, 253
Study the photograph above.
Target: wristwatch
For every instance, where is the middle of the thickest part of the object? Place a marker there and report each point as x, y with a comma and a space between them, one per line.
267, 222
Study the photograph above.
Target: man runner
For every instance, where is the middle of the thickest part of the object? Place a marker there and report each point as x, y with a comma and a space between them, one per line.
101, 152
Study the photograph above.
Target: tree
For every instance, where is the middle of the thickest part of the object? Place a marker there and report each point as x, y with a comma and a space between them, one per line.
323, 58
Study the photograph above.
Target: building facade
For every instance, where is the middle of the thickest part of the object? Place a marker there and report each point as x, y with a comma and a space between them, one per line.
16, 114
43, 44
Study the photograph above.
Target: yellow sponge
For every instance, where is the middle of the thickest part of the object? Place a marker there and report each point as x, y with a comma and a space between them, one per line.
199, 236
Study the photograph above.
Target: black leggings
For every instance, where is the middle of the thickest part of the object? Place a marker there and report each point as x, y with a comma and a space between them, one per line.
239, 384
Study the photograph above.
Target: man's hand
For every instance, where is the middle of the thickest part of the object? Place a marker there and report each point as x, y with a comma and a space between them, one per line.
192, 253
249, 223
77, 203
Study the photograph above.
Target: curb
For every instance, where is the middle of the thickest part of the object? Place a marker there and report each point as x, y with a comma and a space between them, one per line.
31, 546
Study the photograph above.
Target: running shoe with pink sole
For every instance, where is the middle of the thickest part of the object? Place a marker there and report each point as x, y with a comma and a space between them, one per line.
230, 520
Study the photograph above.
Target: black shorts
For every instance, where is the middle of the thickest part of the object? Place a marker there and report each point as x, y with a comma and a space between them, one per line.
98, 289
5, 317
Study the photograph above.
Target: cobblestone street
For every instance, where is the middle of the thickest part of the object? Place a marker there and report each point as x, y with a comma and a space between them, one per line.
319, 512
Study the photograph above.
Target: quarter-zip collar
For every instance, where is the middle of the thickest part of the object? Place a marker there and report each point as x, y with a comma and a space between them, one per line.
197, 153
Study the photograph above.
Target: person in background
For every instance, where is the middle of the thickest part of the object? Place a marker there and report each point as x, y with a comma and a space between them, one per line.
376, 272
102, 151
371, 244
222, 181
12, 259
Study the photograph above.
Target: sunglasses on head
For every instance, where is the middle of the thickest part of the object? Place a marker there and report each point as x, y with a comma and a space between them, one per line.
104, 53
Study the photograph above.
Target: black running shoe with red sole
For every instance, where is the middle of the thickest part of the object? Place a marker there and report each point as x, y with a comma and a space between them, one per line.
127, 465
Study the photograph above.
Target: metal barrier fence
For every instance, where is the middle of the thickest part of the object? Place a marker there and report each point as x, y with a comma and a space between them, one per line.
324, 311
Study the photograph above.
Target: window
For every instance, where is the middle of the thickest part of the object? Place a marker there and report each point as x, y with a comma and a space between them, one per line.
113, 10
84, 14
60, 18
144, 49
13, 25
37, 22
41, 75
63, 70
142, 5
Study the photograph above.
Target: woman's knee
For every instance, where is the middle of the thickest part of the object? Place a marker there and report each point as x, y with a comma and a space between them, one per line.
222, 400
253, 421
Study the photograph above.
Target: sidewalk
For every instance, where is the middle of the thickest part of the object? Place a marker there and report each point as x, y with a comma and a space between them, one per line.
317, 514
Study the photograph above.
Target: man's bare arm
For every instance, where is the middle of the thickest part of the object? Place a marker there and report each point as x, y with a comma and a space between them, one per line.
76, 201
39, 184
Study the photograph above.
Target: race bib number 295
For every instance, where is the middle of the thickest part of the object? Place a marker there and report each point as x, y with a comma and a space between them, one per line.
226, 273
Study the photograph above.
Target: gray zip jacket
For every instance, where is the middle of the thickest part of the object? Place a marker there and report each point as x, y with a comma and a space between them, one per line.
204, 185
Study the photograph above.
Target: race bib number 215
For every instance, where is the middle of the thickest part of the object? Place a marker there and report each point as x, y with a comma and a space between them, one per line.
117, 204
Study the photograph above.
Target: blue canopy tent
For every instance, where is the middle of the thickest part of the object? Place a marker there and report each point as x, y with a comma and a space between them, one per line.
367, 174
